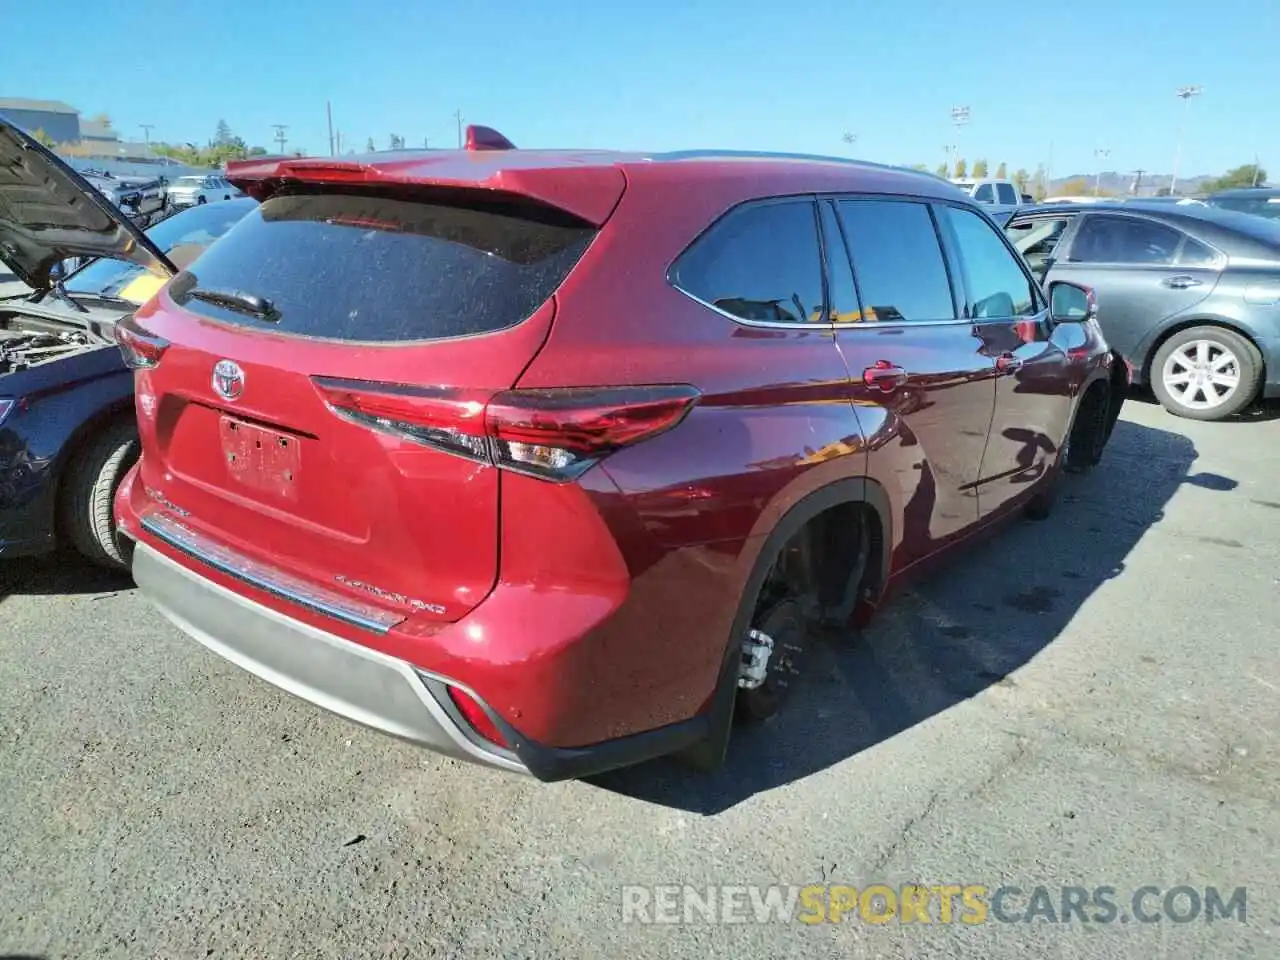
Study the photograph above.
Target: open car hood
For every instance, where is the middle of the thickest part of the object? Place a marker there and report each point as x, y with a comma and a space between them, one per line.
48, 213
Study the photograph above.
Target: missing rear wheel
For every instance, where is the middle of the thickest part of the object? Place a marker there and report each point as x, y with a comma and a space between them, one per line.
774, 655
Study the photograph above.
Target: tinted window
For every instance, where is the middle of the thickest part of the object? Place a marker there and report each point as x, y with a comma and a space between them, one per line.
760, 263
1006, 193
997, 285
841, 292
1262, 207
897, 260
1124, 240
985, 194
1196, 254
374, 268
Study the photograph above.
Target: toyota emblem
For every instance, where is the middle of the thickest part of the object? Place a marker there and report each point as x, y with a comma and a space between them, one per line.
228, 379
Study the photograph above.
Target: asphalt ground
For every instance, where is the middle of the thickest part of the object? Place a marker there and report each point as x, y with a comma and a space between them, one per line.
1092, 701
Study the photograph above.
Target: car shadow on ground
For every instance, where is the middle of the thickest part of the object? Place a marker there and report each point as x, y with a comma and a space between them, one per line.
945, 639
57, 574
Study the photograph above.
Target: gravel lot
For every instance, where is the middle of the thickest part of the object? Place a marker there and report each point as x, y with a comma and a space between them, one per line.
1094, 700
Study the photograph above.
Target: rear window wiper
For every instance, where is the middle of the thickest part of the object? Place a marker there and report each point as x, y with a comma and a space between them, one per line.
234, 300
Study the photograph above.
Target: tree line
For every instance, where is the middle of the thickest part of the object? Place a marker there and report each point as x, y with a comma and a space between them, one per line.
1037, 185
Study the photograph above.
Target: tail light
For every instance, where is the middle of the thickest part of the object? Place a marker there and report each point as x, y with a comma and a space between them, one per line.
553, 434
140, 348
477, 716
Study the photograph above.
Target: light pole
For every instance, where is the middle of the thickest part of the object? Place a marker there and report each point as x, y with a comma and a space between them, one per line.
1185, 94
960, 118
850, 138
1101, 153
146, 133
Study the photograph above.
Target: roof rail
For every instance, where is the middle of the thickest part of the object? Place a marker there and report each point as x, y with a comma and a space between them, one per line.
486, 138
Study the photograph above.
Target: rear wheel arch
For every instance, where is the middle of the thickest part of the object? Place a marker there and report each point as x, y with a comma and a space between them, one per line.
817, 513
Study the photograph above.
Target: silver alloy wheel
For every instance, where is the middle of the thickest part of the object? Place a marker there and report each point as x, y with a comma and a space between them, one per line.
1201, 374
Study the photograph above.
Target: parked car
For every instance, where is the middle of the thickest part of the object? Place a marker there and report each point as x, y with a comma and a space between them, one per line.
1261, 201
142, 199
1189, 294
999, 196
191, 191
426, 457
67, 427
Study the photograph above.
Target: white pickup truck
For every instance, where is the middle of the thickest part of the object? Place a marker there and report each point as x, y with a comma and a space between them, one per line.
1001, 195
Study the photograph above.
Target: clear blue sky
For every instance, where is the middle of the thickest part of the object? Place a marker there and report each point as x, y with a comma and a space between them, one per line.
667, 74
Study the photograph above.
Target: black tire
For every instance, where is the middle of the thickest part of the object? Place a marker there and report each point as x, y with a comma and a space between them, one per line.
787, 627
1040, 506
1248, 364
88, 489
200, 200
1090, 431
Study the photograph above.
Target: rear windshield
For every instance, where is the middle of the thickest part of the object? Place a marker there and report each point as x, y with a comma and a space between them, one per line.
379, 268
1259, 206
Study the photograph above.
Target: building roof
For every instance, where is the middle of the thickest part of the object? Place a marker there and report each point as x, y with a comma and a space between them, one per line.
93, 130
42, 106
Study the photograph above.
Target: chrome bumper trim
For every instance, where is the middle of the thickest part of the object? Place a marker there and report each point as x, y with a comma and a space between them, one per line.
330, 603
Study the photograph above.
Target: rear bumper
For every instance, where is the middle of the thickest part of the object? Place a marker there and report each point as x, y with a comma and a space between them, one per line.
355, 682
373, 688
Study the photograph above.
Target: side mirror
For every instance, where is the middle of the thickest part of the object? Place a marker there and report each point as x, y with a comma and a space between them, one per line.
1072, 303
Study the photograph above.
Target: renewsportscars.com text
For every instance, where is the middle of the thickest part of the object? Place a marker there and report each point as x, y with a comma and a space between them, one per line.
942, 904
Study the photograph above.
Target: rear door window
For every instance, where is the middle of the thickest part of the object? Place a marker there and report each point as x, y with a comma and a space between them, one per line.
1124, 240
897, 261
372, 267
1196, 254
760, 263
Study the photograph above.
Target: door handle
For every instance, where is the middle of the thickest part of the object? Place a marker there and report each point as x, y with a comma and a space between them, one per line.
884, 376
1008, 363
1180, 283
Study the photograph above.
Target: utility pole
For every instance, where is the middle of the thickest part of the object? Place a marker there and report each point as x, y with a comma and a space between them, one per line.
280, 137
1136, 189
1256, 169
328, 109
146, 132
1102, 153
426, 143
1185, 94
850, 138
458, 116
337, 141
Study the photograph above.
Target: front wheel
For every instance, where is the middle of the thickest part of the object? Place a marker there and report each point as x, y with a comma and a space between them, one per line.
89, 490
1206, 373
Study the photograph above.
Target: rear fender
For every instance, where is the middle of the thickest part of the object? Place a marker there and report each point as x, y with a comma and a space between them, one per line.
710, 753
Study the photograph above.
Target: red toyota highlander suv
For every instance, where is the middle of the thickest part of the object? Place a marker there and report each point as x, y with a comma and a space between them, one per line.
548, 460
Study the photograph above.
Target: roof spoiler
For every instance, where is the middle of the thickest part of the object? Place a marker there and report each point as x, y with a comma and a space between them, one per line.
486, 138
